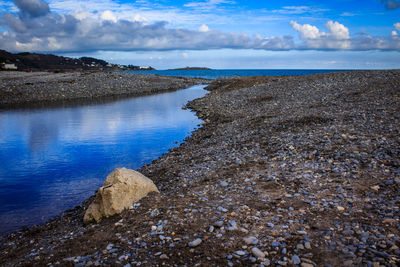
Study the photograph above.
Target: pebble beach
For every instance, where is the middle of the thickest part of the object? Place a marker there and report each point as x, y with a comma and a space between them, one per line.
36, 89
285, 171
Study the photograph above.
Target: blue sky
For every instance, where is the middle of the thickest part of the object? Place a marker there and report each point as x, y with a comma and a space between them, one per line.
339, 34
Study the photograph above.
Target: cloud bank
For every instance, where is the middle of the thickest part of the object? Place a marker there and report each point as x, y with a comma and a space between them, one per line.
36, 28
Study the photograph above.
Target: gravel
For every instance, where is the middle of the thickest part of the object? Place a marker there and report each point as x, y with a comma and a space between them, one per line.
312, 168
27, 89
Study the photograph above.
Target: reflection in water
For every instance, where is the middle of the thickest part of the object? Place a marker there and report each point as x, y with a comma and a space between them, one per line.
52, 159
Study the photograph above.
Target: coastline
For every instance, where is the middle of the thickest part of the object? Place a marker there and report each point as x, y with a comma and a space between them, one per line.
43, 89
305, 169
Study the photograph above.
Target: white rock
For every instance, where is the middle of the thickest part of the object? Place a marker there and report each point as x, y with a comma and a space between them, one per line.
121, 189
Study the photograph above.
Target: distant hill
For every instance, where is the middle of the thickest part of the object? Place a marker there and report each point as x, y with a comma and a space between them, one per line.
47, 62
192, 68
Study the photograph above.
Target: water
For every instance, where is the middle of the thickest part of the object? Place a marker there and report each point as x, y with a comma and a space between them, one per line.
213, 74
52, 159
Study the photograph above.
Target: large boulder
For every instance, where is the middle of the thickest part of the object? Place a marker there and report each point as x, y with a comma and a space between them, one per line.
122, 188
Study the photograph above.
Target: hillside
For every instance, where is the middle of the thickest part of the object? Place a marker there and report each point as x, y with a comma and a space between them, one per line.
47, 62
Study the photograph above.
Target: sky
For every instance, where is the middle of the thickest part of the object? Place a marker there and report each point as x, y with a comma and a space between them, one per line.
222, 34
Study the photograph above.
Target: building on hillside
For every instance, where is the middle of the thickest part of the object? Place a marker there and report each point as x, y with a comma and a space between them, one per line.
8, 66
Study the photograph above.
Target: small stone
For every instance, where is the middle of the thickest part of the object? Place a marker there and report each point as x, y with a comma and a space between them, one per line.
267, 262
307, 245
389, 221
195, 243
223, 183
296, 260
219, 223
240, 253
275, 244
304, 264
250, 240
300, 246
164, 257
375, 188
340, 208
109, 246
257, 253
222, 209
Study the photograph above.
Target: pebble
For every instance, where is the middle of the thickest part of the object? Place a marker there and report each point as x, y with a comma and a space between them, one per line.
219, 223
296, 260
240, 252
290, 150
257, 253
275, 244
223, 183
250, 240
195, 243
266, 262
164, 257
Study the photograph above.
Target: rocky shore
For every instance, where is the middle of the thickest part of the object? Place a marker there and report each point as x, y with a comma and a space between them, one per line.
284, 171
26, 89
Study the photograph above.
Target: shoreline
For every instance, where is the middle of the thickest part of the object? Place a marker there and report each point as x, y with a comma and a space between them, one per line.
303, 169
42, 89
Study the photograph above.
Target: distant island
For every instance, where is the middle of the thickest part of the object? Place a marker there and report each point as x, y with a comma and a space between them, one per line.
47, 62
192, 68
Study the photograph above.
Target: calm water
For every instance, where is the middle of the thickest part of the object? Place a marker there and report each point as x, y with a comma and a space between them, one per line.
213, 74
52, 159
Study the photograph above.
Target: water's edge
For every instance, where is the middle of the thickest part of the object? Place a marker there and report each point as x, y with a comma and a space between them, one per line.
97, 102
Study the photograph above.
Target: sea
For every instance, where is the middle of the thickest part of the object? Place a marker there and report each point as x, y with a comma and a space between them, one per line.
217, 73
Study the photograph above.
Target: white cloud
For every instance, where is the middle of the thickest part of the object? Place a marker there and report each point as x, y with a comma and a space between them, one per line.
337, 30
209, 4
397, 26
338, 38
108, 15
306, 31
347, 14
204, 28
296, 10
108, 30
